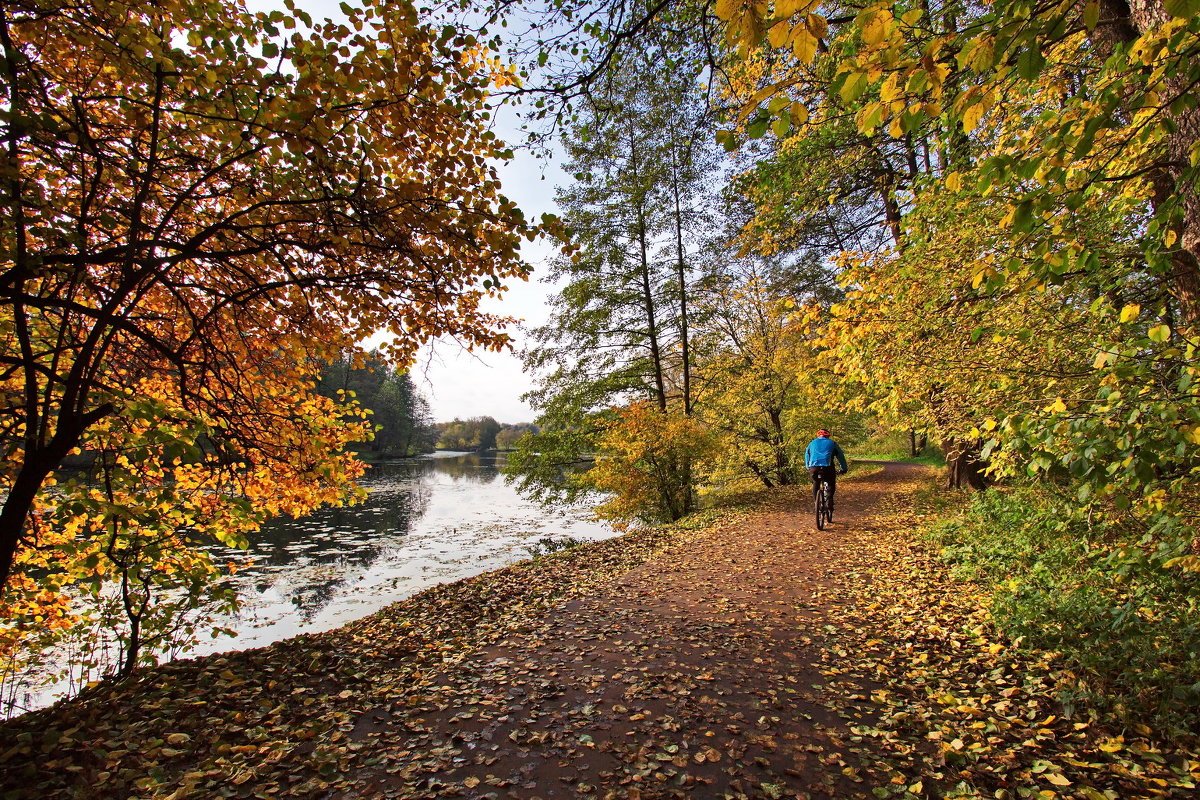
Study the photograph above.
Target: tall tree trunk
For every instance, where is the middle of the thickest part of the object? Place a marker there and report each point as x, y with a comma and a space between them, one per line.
965, 465
38, 462
647, 290
891, 208
681, 274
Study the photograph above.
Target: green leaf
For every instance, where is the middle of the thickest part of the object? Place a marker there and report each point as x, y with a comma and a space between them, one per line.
1022, 218
1183, 9
1030, 63
758, 127
1159, 333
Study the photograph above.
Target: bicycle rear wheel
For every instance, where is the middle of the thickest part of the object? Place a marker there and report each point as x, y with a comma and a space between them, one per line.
820, 502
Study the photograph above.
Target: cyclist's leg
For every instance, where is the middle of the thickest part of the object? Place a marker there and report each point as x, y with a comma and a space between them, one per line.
831, 476
815, 474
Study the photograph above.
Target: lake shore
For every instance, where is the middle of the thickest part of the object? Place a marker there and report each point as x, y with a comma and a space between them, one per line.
741, 655
236, 719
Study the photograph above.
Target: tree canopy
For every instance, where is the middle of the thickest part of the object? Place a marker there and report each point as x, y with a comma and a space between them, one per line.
203, 204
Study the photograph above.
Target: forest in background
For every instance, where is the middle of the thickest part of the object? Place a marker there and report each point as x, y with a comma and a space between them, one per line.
978, 222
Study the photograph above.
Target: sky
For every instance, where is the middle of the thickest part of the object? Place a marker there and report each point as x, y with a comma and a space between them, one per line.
462, 384
458, 383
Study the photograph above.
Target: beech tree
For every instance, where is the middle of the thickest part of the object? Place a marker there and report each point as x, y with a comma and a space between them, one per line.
202, 203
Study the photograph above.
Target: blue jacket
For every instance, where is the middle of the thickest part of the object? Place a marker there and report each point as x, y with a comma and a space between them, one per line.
821, 452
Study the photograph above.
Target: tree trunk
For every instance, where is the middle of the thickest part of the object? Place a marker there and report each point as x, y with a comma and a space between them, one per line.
965, 465
647, 289
681, 274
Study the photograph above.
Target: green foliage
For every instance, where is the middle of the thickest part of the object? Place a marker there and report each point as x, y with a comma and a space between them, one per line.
400, 413
1128, 627
476, 433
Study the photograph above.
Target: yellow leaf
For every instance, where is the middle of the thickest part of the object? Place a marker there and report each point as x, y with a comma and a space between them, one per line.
778, 34
804, 44
786, 8
1130, 312
725, 9
874, 30
817, 25
971, 117
890, 89
1159, 333
1185, 563
954, 181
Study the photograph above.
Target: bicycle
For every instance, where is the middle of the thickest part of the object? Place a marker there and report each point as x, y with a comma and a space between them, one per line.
822, 506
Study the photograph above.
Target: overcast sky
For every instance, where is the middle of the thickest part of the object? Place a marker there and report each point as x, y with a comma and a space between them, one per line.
461, 384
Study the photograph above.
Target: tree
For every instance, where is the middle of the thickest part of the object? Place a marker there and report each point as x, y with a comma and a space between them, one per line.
645, 463
509, 435
620, 328
476, 433
398, 410
198, 205
1073, 132
762, 389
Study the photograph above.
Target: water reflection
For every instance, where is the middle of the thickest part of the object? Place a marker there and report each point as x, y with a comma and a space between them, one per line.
425, 521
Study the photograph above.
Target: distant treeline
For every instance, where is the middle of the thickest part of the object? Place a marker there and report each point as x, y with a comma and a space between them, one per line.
480, 433
401, 414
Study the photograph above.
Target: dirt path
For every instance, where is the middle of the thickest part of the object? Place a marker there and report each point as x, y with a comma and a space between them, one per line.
695, 675
755, 659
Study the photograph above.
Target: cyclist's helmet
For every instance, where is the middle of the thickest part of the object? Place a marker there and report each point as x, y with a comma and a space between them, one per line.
822, 432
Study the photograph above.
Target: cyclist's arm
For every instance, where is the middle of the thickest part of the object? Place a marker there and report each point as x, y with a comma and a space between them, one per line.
841, 457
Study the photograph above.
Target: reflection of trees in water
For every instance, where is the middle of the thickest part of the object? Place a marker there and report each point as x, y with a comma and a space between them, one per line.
472, 467
308, 560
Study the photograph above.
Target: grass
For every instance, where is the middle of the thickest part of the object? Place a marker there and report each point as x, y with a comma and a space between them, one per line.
894, 446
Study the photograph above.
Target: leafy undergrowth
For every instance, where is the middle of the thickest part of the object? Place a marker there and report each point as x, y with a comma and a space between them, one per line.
946, 706
1096, 594
895, 446
273, 721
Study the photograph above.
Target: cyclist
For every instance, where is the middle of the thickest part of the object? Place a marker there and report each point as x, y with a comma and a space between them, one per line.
819, 459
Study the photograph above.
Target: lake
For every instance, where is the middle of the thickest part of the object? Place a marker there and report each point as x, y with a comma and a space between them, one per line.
425, 521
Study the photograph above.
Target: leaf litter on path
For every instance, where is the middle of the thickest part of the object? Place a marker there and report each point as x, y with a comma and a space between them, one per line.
755, 657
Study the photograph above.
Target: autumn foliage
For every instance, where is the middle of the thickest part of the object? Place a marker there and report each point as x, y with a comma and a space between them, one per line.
202, 206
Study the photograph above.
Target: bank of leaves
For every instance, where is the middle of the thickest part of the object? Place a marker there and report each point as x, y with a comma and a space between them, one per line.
1095, 594
952, 693
274, 721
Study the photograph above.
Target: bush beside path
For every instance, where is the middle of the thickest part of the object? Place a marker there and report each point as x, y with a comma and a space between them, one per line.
743, 654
